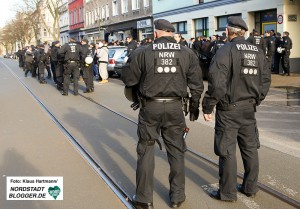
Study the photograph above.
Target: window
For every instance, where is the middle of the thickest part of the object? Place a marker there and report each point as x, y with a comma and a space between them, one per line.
87, 18
223, 20
93, 17
75, 16
180, 27
146, 3
135, 4
114, 8
103, 13
201, 28
124, 4
107, 11
45, 32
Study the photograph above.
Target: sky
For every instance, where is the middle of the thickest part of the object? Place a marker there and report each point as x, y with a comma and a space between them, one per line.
8, 10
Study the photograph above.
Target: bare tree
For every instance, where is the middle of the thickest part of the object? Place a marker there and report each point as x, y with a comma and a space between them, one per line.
37, 9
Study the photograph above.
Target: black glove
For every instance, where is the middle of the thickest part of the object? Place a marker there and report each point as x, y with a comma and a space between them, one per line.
194, 110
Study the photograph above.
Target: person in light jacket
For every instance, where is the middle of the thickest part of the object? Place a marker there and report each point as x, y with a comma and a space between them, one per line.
102, 55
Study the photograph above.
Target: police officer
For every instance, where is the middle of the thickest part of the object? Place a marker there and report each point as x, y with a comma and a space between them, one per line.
161, 72
131, 44
57, 76
270, 48
277, 56
239, 79
42, 60
72, 52
87, 67
257, 40
287, 46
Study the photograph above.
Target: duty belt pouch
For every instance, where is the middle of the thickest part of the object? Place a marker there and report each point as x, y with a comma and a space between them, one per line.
221, 142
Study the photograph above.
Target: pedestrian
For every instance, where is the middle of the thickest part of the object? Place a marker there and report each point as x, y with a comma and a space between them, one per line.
87, 67
239, 80
102, 55
71, 52
161, 73
287, 45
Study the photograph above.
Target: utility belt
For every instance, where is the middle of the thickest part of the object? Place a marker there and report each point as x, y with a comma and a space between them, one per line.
72, 61
237, 105
144, 100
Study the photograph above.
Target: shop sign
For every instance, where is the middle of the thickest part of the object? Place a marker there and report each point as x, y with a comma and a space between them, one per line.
144, 23
292, 18
279, 19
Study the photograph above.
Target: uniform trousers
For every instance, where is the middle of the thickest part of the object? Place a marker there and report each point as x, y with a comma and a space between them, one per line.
41, 68
167, 119
88, 75
59, 71
29, 68
286, 62
231, 127
71, 68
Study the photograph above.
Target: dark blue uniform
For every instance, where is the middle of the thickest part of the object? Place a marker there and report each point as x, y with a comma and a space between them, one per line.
239, 80
162, 71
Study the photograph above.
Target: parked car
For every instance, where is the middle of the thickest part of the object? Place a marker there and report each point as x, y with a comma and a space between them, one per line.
120, 62
8, 56
114, 53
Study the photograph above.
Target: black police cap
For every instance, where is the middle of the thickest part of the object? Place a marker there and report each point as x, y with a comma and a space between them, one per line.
85, 40
55, 42
165, 25
237, 22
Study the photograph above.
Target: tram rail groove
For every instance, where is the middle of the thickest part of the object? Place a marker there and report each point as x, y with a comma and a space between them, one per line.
115, 187
262, 186
122, 195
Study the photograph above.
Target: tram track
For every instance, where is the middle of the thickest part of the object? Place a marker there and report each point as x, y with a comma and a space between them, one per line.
262, 186
122, 195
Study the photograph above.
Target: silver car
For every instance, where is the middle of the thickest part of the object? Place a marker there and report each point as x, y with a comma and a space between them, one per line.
114, 53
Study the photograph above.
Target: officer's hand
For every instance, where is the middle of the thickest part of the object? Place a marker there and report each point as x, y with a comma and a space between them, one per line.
207, 117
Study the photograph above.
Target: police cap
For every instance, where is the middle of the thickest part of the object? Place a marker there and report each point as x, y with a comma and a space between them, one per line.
55, 42
237, 22
165, 25
85, 40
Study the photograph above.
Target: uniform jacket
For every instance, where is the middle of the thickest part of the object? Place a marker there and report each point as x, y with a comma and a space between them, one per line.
238, 72
102, 54
71, 51
287, 43
164, 69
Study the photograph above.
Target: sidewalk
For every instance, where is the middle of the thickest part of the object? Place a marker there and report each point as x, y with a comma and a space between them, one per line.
32, 145
284, 81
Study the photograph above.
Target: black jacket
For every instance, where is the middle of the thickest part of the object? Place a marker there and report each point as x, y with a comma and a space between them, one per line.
238, 72
72, 51
164, 69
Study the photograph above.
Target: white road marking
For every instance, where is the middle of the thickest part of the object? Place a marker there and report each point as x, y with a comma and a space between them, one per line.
277, 184
248, 202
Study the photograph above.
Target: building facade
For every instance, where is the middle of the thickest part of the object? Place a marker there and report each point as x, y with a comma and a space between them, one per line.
209, 17
76, 19
116, 19
64, 22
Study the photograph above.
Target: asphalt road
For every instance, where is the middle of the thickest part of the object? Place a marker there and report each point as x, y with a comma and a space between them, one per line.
112, 141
